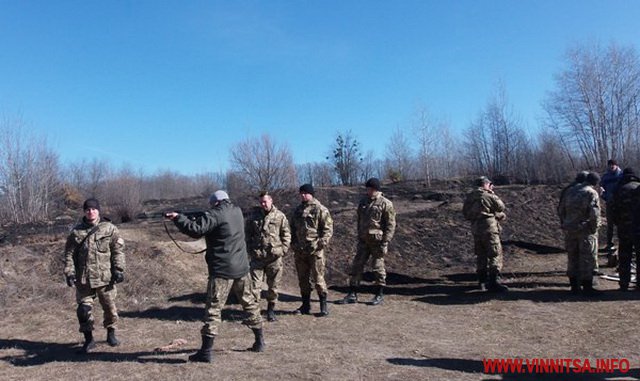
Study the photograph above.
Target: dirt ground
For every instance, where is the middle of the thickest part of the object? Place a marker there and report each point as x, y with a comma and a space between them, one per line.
433, 325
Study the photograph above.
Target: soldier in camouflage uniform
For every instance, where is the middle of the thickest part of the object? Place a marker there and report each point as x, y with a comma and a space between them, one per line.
268, 239
485, 210
581, 177
580, 219
623, 205
311, 231
376, 225
94, 263
222, 227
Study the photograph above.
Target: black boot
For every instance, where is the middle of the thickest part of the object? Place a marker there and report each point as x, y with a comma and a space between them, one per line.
495, 285
205, 354
305, 308
351, 298
587, 288
258, 345
378, 298
112, 340
575, 286
271, 313
323, 305
482, 281
89, 343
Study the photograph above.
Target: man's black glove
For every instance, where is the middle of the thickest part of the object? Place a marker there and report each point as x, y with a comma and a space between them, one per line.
117, 276
71, 280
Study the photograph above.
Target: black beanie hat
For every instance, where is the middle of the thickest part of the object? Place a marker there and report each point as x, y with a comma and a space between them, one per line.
307, 188
91, 203
592, 179
373, 183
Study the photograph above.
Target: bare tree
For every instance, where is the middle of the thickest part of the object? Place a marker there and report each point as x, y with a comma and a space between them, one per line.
346, 157
595, 106
434, 143
123, 194
29, 174
263, 164
320, 174
494, 140
399, 156
370, 167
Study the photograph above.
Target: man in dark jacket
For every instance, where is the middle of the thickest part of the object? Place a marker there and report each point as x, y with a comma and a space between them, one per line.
608, 183
623, 204
222, 226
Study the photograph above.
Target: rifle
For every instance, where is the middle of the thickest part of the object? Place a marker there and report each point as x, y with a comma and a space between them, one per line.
192, 215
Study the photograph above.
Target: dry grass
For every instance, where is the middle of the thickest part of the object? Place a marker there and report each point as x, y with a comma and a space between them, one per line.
433, 324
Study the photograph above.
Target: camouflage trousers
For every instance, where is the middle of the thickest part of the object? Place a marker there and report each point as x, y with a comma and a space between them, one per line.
627, 244
272, 271
488, 251
582, 250
610, 224
86, 296
218, 290
310, 267
366, 250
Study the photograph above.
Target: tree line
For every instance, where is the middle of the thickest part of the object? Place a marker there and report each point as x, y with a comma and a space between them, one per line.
591, 115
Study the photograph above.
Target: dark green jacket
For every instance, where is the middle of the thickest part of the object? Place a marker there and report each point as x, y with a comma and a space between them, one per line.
223, 230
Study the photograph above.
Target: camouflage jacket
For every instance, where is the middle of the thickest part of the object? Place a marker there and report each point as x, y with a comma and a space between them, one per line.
484, 209
580, 210
100, 253
624, 202
376, 219
311, 226
268, 234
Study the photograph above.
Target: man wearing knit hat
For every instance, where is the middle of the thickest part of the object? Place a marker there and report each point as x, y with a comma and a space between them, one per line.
94, 263
376, 226
311, 231
624, 204
222, 227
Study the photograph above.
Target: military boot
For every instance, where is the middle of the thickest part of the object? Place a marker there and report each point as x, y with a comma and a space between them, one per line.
305, 308
271, 313
587, 288
112, 340
575, 286
323, 305
482, 281
378, 298
612, 259
89, 343
351, 298
495, 285
258, 345
205, 354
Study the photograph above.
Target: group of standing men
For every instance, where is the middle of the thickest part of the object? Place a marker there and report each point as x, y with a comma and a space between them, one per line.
580, 217
239, 254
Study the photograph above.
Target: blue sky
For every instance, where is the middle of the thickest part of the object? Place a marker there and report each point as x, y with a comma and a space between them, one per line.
173, 85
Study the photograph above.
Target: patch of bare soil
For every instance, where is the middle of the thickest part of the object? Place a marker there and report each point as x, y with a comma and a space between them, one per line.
433, 325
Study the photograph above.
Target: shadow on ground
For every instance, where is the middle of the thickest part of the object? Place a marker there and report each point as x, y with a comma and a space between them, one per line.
461, 288
534, 247
41, 352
